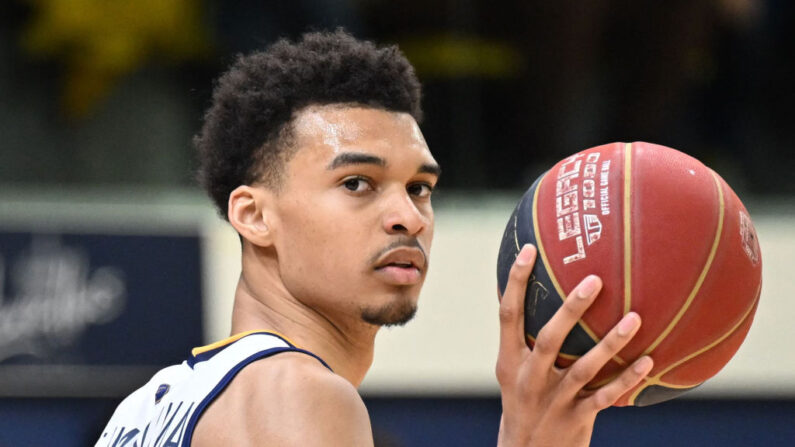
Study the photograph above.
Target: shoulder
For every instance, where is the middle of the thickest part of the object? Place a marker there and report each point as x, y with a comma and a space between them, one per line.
299, 383
288, 399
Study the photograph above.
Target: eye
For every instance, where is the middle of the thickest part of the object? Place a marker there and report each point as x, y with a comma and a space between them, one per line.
357, 184
421, 190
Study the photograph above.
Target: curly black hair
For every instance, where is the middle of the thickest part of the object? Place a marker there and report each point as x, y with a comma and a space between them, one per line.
246, 134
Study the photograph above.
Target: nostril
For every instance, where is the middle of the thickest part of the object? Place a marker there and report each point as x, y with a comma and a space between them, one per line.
399, 227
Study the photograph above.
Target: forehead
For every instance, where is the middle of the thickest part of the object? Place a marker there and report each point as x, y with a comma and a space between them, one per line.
325, 131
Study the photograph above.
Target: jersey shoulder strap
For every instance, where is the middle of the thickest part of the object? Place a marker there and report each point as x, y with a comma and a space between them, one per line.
164, 412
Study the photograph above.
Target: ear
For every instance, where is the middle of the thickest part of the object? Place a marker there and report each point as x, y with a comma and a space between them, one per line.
249, 212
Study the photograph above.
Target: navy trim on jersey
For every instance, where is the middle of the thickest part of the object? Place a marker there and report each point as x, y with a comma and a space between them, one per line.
231, 375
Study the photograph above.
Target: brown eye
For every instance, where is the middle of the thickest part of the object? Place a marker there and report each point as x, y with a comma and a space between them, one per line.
356, 184
420, 189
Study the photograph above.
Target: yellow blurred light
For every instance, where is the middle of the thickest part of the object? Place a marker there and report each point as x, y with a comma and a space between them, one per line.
99, 41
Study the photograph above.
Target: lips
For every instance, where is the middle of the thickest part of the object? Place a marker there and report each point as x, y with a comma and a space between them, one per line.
404, 257
401, 266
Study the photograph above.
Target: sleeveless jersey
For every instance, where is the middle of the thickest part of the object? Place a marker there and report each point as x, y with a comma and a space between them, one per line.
164, 412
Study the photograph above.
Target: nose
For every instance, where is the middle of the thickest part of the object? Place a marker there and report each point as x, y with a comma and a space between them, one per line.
401, 216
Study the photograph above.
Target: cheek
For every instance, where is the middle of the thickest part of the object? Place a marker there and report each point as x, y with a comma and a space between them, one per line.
306, 247
427, 236
306, 266
320, 252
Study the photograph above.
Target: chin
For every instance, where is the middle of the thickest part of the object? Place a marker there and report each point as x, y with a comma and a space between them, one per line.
396, 313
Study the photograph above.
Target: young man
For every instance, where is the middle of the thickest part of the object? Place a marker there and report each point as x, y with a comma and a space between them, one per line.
313, 153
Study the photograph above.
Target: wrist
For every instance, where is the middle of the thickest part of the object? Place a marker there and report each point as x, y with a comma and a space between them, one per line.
508, 436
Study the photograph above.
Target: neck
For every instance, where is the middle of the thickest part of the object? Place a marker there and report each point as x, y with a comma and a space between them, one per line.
262, 302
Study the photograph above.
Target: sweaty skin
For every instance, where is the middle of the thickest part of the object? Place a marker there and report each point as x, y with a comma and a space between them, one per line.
340, 248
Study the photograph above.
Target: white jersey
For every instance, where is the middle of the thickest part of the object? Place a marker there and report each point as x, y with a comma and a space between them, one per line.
164, 412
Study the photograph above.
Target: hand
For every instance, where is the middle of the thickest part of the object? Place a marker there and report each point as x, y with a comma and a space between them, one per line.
543, 405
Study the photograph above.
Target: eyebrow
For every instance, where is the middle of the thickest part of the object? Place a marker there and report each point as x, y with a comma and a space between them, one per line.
357, 158
430, 168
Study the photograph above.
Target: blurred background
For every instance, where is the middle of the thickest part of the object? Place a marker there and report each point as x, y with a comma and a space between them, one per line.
113, 264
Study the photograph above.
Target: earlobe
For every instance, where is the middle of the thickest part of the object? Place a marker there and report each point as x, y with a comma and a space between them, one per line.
249, 214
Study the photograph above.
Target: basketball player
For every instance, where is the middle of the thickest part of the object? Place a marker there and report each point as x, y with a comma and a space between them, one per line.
313, 153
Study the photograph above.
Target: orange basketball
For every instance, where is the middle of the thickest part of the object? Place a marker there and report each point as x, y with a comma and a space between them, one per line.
670, 240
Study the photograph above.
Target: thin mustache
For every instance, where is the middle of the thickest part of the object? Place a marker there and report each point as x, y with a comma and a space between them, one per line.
402, 242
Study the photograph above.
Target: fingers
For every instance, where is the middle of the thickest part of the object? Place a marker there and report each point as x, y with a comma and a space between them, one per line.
612, 391
587, 366
512, 337
550, 338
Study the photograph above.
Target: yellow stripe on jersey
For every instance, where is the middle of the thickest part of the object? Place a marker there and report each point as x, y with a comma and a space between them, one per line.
234, 338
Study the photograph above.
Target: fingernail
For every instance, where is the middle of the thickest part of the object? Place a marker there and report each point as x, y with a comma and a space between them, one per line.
587, 287
525, 255
643, 365
628, 323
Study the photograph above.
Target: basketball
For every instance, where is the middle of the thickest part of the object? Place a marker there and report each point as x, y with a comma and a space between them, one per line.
670, 240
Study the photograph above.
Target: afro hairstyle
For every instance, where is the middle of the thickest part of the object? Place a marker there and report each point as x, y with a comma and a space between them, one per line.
245, 138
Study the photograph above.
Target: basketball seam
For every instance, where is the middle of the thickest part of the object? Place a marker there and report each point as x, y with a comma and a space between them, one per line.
560, 354
719, 340
515, 233
627, 228
545, 260
704, 271
655, 380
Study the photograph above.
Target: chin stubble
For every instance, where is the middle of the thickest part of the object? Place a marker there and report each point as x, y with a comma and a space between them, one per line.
392, 314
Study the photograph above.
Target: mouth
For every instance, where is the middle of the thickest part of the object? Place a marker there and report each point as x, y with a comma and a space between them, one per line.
402, 266
399, 274
405, 265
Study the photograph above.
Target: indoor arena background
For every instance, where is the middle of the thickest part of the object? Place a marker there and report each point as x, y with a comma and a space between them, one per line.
113, 263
